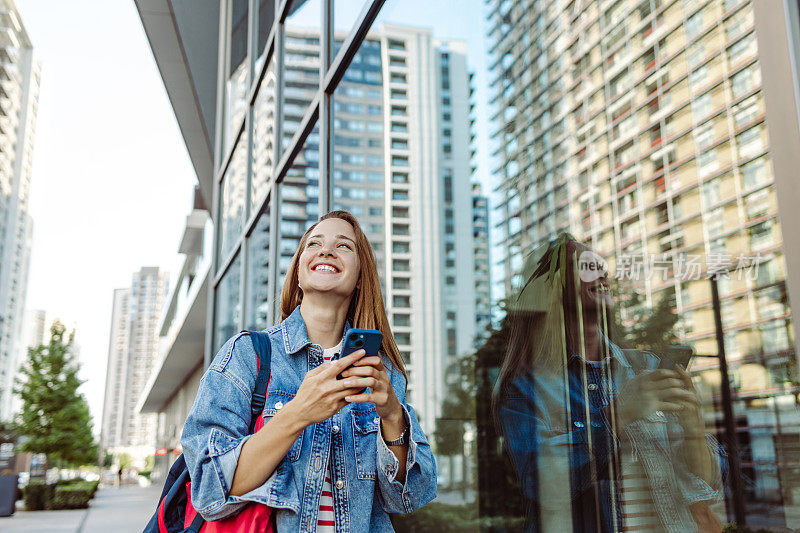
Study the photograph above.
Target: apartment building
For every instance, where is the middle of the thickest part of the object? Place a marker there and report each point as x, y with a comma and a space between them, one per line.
639, 126
132, 353
19, 106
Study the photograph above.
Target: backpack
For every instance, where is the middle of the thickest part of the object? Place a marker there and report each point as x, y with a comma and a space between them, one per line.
175, 504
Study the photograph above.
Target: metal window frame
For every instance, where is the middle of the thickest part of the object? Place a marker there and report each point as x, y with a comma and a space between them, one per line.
332, 70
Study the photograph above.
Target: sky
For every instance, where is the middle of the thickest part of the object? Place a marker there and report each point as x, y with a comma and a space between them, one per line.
112, 181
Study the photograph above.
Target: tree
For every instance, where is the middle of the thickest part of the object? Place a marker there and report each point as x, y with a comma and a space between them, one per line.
55, 416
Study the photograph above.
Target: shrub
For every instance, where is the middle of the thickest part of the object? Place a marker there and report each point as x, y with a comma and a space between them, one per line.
38, 495
63, 494
73, 495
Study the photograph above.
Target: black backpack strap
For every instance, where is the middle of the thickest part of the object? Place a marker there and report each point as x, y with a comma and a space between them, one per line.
197, 523
264, 353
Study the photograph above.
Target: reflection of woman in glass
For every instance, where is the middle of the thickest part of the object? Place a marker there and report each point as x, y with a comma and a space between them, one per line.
333, 454
600, 438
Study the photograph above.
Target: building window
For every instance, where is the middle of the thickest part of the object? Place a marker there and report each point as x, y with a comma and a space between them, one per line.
745, 80
701, 106
754, 173
402, 320
694, 25
401, 301
707, 162
750, 143
401, 283
400, 247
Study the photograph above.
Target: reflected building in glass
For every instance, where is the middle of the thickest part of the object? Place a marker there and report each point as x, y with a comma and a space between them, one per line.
640, 126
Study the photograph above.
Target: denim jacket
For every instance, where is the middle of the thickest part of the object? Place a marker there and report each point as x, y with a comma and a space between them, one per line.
362, 467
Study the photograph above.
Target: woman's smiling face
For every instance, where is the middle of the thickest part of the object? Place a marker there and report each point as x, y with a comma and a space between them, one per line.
329, 262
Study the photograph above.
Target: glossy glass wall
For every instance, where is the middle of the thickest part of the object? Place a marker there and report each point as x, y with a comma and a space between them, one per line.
638, 127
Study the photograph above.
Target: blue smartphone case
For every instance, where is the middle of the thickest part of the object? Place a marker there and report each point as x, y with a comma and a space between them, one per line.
357, 338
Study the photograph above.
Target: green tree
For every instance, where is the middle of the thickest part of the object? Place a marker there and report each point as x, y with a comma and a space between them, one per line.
55, 416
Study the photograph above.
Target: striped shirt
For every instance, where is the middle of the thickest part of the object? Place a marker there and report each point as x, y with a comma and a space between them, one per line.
325, 519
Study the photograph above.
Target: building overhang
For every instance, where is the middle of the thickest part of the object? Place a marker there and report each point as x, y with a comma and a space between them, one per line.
182, 351
184, 38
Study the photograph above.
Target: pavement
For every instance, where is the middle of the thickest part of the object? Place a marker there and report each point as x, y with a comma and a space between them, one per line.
121, 510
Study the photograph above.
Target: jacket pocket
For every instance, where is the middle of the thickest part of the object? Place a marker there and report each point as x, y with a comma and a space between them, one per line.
275, 402
365, 429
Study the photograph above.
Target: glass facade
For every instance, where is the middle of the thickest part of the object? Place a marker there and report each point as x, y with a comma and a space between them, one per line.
595, 324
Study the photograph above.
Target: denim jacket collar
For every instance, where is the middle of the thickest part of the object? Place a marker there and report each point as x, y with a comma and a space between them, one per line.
295, 335
617, 356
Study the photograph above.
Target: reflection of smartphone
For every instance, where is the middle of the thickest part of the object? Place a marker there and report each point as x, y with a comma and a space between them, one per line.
676, 355
356, 339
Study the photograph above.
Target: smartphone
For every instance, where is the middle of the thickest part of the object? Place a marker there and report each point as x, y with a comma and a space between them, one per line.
356, 339
676, 355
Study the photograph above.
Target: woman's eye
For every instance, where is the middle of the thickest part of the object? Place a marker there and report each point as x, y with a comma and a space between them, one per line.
345, 245
313, 243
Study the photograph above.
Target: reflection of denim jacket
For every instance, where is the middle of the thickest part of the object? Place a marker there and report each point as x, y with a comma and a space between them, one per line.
562, 443
362, 466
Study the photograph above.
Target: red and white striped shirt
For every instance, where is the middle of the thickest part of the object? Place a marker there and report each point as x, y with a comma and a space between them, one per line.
325, 519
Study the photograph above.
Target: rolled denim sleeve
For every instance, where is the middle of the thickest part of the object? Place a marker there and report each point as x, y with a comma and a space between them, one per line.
420, 482
216, 429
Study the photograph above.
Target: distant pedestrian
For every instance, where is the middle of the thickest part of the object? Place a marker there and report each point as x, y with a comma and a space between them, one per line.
119, 477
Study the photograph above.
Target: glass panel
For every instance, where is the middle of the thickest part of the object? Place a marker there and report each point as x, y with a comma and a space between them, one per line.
266, 16
299, 200
228, 308
237, 83
359, 146
233, 198
657, 188
263, 137
259, 294
301, 64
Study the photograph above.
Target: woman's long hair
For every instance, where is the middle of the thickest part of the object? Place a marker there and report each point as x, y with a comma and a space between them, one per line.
366, 305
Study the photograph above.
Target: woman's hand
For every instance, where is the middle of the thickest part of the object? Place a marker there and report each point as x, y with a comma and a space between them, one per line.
321, 395
370, 372
657, 390
691, 415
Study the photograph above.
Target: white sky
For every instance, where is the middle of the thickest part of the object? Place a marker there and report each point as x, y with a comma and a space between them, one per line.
112, 182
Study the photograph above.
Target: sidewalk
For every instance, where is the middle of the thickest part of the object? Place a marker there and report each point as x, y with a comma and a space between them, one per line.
120, 510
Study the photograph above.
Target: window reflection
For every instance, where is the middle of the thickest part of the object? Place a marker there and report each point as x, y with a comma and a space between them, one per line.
237, 81
259, 293
264, 137
228, 306
233, 198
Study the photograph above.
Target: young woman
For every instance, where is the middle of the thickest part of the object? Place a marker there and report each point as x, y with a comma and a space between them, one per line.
329, 457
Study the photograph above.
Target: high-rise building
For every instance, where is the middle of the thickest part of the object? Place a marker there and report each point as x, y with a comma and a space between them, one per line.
639, 126
19, 95
132, 353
